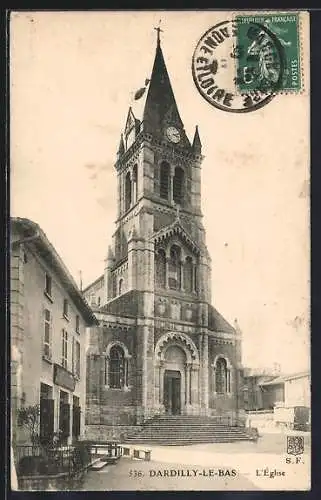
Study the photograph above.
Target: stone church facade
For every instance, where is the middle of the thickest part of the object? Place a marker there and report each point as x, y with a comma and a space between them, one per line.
160, 346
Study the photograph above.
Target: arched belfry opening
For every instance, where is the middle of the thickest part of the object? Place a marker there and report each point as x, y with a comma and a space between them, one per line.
135, 183
178, 186
164, 180
174, 268
128, 191
160, 268
188, 275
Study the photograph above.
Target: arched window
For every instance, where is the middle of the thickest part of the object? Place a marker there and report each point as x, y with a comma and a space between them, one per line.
128, 191
222, 376
195, 279
98, 301
164, 180
188, 275
174, 268
135, 184
178, 185
120, 286
160, 269
116, 367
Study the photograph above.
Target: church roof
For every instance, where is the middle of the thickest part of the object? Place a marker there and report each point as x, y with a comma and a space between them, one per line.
129, 304
197, 145
217, 323
160, 107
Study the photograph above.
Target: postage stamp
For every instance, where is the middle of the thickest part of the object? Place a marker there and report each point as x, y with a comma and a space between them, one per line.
265, 43
241, 63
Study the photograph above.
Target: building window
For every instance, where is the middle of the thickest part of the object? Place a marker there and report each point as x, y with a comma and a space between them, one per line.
77, 324
48, 285
188, 275
120, 286
195, 279
47, 335
160, 269
174, 268
164, 180
116, 367
128, 191
222, 377
135, 184
65, 308
98, 301
76, 357
178, 185
64, 349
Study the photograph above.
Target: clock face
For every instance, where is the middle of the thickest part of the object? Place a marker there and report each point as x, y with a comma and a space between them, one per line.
173, 134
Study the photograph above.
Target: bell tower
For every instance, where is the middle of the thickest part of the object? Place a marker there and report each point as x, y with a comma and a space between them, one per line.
159, 195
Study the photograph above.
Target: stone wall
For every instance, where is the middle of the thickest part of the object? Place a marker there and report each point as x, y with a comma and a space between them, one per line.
109, 432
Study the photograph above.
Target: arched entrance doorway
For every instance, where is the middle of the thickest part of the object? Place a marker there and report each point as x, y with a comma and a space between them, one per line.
176, 374
175, 362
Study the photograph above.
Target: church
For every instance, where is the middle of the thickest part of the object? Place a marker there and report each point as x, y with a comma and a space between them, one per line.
161, 348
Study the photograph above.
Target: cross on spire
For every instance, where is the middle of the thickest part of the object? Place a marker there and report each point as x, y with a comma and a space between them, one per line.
159, 30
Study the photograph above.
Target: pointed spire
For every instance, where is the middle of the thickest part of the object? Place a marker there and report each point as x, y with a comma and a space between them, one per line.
197, 145
121, 148
160, 100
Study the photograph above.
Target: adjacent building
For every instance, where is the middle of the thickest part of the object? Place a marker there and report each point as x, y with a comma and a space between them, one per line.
49, 317
161, 346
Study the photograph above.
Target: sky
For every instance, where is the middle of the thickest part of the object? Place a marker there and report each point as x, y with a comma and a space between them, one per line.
73, 78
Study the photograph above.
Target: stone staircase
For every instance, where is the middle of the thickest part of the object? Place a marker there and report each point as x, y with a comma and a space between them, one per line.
184, 430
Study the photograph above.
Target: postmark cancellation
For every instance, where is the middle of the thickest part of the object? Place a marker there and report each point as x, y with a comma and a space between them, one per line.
241, 63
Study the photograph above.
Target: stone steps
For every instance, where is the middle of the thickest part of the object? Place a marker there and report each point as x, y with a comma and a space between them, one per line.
184, 430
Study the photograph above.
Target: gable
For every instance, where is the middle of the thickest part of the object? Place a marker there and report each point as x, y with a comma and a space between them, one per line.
130, 122
176, 231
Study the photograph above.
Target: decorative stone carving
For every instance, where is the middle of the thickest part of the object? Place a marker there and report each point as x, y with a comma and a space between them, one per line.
175, 310
161, 308
188, 314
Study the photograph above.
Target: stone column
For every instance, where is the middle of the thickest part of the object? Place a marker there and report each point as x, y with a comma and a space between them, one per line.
181, 264
200, 381
188, 384
205, 371
171, 184
166, 272
161, 382
106, 374
195, 370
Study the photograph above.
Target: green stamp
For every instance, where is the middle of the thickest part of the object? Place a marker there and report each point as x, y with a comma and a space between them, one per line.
267, 53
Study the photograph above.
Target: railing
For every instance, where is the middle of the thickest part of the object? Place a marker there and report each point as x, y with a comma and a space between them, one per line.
110, 450
40, 460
